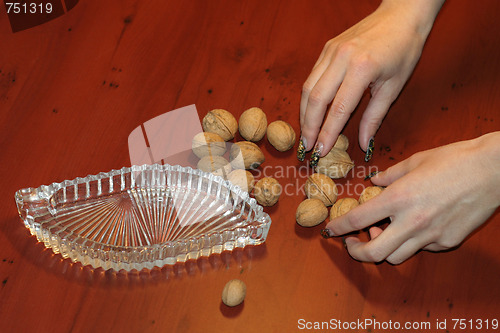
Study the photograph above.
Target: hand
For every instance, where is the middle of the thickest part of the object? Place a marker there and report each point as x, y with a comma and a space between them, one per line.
434, 200
379, 53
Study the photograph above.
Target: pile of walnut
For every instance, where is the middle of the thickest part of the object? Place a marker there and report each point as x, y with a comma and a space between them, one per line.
321, 190
220, 126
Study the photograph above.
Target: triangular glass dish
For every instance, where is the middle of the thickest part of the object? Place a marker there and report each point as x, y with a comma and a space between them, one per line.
142, 217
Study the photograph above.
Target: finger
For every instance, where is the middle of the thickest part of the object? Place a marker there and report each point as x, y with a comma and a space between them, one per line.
375, 232
347, 98
320, 96
317, 71
378, 249
375, 112
434, 247
405, 251
393, 173
362, 216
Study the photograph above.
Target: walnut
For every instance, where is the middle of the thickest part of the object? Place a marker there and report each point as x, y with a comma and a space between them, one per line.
281, 135
245, 155
253, 124
220, 122
342, 142
206, 143
311, 212
217, 165
369, 192
267, 191
234, 292
335, 164
342, 207
322, 187
242, 178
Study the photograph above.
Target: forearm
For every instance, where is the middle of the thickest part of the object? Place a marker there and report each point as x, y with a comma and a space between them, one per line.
420, 13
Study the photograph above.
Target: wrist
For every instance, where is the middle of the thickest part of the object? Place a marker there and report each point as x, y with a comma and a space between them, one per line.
489, 149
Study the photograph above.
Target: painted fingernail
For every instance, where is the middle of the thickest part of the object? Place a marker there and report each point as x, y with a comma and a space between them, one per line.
371, 174
327, 233
369, 150
315, 154
301, 150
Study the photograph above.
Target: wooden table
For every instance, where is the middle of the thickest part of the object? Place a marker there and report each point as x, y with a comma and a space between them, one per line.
72, 89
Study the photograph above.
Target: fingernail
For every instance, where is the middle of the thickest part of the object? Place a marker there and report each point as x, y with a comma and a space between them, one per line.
369, 150
327, 233
344, 242
301, 150
315, 154
371, 174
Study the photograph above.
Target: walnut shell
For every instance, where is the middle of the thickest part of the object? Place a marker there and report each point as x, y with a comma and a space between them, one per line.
220, 122
342, 207
267, 191
206, 143
336, 164
311, 212
322, 187
234, 292
281, 135
342, 142
369, 192
245, 155
242, 178
253, 124
217, 165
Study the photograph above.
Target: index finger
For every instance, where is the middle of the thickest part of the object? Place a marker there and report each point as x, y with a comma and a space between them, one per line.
363, 216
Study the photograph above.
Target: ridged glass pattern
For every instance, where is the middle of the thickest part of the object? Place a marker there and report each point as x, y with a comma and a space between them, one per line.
142, 217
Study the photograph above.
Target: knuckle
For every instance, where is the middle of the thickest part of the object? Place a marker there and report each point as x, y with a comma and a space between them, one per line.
354, 220
420, 221
307, 87
339, 109
316, 97
375, 254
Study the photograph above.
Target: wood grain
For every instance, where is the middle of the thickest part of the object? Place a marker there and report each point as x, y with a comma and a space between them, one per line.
72, 89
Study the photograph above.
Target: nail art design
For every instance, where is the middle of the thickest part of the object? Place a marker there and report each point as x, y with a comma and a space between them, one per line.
301, 150
315, 154
326, 233
371, 174
369, 150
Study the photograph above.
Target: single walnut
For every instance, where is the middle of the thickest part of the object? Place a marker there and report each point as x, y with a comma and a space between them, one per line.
322, 187
220, 122
336, 164
242, 178
281, 135
342, 142
311, 212
217, 165
267, 191
234, 292
245, 155
342, 207
253, 124
369, 192
206, 143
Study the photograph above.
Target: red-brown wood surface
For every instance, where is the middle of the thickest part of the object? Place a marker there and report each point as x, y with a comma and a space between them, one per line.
72, 89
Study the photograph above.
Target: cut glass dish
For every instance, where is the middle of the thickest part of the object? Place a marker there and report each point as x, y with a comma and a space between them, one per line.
142, 217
